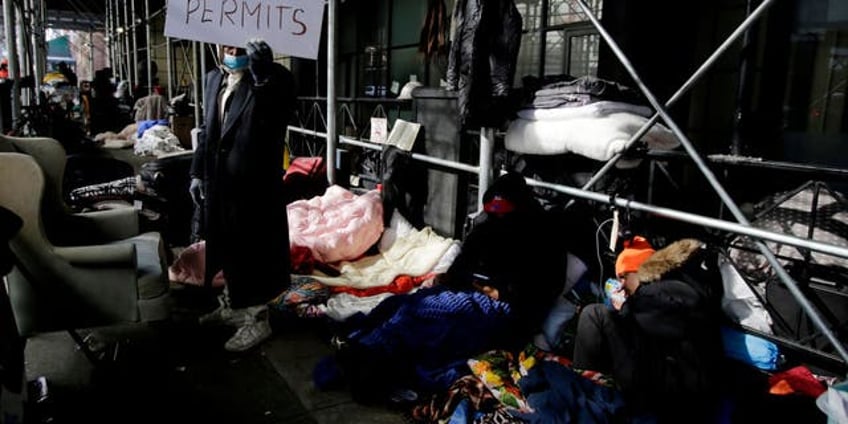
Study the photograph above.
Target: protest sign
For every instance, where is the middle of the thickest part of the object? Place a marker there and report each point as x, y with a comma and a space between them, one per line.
291, 27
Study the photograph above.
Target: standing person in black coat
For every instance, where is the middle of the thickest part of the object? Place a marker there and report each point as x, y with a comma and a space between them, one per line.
238, 173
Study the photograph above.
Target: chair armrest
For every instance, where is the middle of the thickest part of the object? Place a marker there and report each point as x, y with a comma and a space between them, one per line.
110, 225
104, 255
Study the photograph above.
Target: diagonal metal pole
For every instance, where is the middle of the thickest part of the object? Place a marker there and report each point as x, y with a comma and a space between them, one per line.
791, 284
740, 31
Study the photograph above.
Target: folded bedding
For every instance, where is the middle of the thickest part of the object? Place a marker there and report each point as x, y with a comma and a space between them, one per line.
414, 254
599, 137
592, 110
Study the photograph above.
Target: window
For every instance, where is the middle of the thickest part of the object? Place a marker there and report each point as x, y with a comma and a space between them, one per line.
566, 36
815, 112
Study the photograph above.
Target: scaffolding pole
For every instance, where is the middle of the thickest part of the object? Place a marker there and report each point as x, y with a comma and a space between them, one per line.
14, 71
690, 218
202, 69
149, 47
24, 65
711, 60
117, 43
108, 29
195, 86
784, 276
91, 53
332, 135
444, 163
168, 63
127, 49
134, 28
38, 46
484, 178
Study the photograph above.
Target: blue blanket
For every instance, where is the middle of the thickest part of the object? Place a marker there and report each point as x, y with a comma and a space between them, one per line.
433, 332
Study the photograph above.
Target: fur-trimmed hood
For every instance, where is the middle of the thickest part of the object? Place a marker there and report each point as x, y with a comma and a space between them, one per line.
668, 259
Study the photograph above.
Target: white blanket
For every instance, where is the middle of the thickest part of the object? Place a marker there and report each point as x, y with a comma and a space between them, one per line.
415, 254
592, 110
598, 138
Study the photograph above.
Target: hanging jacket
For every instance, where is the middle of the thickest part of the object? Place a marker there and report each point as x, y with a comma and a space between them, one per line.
482, 58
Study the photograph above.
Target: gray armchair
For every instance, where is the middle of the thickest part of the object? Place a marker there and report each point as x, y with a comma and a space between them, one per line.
62, 225
69, 287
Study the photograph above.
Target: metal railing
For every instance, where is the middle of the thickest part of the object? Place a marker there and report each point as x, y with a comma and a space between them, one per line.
742, 226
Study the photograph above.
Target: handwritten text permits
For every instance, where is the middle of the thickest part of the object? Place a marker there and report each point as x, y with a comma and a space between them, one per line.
291, 27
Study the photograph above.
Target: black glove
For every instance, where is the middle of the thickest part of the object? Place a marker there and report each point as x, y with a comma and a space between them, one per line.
197, 189
261, 57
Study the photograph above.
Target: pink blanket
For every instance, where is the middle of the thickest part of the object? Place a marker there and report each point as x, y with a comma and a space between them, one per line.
338, 225
189, 267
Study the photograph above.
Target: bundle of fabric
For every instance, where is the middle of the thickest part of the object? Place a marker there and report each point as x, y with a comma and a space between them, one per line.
407, 259
158, 140
415, 339
495, 295
572, 92
152, 107
541, 387
325, 229
121, 189
122, 140
588, 116
338, 225
414, 254
190, 265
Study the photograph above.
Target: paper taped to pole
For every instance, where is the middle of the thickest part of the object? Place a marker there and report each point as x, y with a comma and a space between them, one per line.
291, 27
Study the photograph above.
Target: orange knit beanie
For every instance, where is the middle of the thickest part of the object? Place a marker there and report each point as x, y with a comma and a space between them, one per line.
636, 251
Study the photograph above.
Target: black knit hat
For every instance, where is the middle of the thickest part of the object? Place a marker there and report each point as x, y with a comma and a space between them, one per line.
512, 187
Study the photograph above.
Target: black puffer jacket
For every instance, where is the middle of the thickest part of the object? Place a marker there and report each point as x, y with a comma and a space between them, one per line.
483, 55
673, 319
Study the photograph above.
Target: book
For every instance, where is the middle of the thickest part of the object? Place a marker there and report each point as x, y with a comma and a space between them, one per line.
403, 134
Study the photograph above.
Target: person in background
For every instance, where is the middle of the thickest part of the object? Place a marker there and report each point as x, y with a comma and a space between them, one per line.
4, 69
661, 343
69, 74
237, 175
105, 115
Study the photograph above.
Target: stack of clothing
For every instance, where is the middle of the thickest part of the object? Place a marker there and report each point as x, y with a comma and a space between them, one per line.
588, 116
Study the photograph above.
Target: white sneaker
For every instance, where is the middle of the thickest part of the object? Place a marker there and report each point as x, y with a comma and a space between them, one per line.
224, 315
256, 330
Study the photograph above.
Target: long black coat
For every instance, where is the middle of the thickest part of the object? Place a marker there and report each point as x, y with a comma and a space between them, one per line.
241, 162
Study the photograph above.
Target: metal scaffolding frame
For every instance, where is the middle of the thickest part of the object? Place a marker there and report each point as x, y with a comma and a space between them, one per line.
716, 185
742, 226
123, 47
